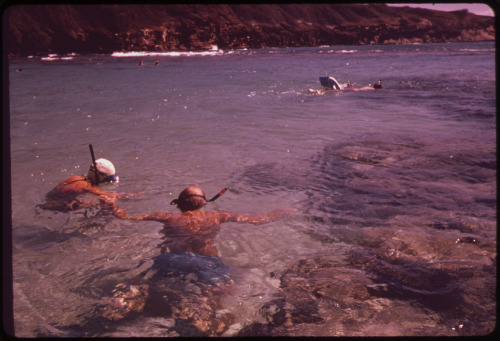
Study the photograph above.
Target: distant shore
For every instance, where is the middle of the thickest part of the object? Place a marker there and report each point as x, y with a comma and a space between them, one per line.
63, 29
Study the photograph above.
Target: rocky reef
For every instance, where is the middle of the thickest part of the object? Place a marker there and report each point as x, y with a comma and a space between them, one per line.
42, 29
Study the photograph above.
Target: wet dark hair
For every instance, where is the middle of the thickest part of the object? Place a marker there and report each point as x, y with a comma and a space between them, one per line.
190, 199
193, 198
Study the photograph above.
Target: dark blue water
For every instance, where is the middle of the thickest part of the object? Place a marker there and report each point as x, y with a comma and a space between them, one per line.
395, 189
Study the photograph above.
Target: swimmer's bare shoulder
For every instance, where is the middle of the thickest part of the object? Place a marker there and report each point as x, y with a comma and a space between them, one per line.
73, 184
79, 184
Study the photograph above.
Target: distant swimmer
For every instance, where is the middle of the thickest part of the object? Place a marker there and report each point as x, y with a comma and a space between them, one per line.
65, 196
157, 63
331, 84
195, 230
141, 63
376, 86
19, 70
348, 84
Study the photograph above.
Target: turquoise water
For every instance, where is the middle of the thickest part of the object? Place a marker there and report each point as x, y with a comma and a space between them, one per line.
395, 189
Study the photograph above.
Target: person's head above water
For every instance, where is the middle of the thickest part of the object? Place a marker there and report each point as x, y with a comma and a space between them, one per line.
105, 172
378, 85
191, 198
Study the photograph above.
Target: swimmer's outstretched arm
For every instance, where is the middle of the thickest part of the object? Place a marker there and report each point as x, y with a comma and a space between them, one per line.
98, 191
262, 218
121, 213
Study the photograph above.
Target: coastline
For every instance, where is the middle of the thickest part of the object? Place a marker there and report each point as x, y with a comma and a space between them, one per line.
106, 29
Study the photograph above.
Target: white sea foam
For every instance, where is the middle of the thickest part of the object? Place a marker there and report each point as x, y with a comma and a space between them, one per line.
477, 50
167, 54
53, 57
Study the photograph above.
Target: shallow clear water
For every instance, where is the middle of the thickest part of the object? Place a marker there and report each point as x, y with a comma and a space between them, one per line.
395, 189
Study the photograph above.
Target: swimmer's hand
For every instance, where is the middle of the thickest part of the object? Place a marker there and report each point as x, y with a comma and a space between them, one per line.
119, 212
105, 199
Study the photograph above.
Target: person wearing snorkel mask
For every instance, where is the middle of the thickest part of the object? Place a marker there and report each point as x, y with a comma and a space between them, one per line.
188, 251
194, 230
64, 197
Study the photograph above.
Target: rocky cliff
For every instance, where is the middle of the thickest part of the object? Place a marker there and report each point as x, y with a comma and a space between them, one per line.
42, 29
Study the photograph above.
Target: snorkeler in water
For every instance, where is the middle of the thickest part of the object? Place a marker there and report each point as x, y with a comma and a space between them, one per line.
376, 86
188, 251
336, 87
194, 230
65, 196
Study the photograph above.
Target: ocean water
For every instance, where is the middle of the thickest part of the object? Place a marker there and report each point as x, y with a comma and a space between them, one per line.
395, 189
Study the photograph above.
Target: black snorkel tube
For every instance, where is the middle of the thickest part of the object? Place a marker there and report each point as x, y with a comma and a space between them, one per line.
215, 197
218, 195
94, 164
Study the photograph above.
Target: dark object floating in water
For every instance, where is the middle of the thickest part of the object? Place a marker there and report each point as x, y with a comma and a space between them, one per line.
329, 82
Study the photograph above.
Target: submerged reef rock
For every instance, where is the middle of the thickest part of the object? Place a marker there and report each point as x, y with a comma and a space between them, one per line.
184, 290
402, 292
42, 29
126, 299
